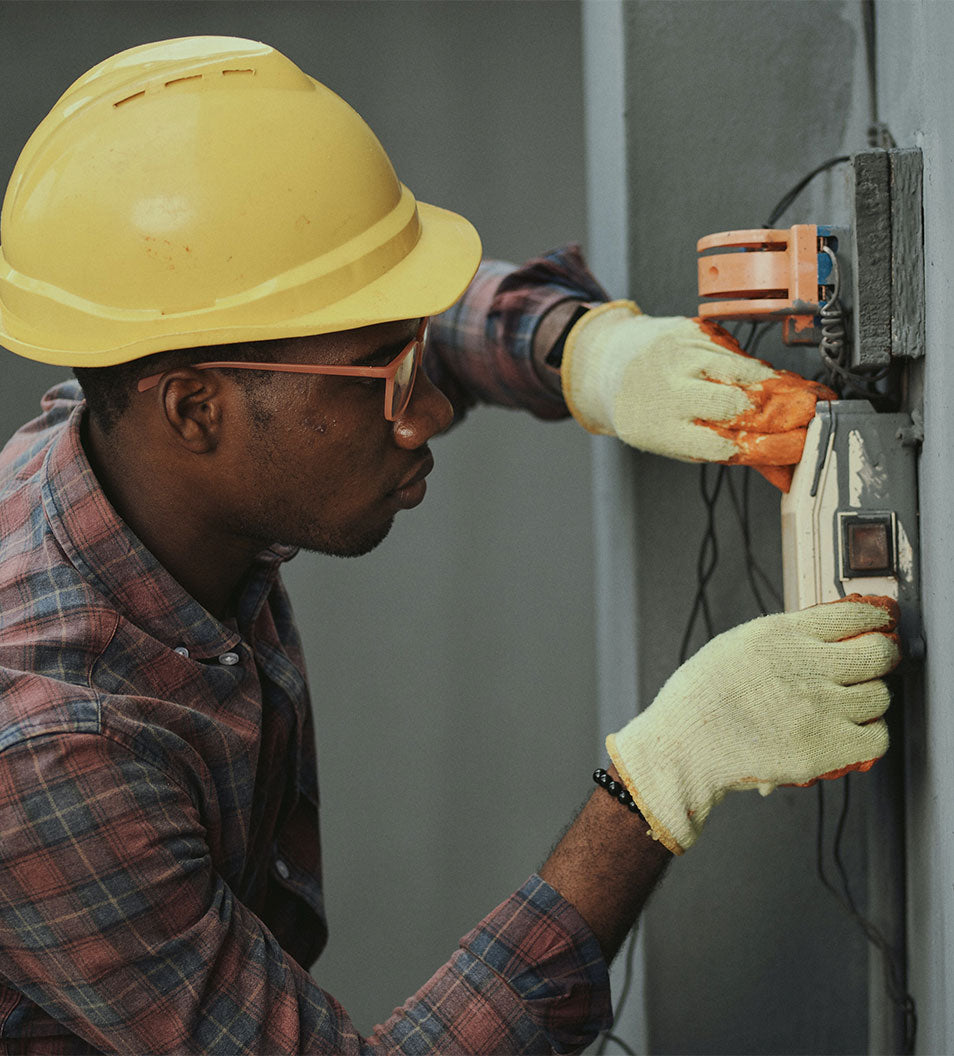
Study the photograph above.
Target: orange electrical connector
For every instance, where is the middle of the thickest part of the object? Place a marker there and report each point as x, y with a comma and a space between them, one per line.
767, 274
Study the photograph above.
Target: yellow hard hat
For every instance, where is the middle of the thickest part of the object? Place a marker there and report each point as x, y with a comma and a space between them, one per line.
203, 191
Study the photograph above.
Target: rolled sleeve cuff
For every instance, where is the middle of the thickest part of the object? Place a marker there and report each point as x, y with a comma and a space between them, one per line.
484, 343
540, 946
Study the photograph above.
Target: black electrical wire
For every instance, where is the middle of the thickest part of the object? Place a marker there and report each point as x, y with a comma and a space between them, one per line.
849, 382
607, 1036
846, 381
708, 555
878, 132
707, 559
753, 570
789, 197
836, 850
871, 65
893, 973
753, 344
738, 327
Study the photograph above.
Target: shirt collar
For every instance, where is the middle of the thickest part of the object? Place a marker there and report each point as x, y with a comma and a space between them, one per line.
103, 549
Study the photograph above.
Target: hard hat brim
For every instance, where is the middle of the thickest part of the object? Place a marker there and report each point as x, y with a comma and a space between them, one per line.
426, 281
432, 277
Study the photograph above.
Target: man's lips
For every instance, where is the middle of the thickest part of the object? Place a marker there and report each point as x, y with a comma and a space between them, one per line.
410, 492
420, 471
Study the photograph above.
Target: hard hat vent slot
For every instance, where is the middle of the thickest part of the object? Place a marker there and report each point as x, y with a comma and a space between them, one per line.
182, 80
129, 98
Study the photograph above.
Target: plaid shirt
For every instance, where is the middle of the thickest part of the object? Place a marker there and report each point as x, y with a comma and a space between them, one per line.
160, 888
480, 350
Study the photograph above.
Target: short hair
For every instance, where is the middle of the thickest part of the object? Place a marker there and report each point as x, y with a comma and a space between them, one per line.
109, 390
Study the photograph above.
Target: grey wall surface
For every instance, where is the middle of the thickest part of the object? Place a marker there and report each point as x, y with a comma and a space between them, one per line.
453, 669
727, 105
915, 89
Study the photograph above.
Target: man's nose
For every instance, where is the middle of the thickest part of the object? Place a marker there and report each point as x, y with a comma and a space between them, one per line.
427, 414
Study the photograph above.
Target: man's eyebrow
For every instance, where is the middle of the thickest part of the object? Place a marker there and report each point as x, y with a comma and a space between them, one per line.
380, 357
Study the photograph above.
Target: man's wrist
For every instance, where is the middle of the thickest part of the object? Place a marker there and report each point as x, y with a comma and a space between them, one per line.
606, 865
549, 339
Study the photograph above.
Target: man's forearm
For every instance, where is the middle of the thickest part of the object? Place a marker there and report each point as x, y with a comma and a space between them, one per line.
606, 866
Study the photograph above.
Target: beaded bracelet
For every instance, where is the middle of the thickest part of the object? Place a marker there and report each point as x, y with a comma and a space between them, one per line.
616, 789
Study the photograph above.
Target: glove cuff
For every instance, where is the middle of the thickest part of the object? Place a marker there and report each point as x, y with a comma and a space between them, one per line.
582, 371
658, 830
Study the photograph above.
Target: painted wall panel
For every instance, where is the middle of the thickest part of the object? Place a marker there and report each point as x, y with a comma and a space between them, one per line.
727, 105
915, 88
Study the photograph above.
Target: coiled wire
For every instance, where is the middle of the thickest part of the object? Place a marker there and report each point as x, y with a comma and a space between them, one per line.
847, 381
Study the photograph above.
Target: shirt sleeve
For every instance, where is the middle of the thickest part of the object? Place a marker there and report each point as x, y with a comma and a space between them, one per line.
480, 350
115, 923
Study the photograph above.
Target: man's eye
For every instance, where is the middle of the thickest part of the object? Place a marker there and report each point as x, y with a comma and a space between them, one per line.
367, 384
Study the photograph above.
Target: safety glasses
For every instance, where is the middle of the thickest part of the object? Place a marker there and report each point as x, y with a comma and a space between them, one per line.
398, 375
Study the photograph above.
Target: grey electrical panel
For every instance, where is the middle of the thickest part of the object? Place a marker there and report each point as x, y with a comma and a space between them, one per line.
850, 520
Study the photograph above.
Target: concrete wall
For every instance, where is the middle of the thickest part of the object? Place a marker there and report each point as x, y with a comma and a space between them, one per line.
726, 106
915, 89
453, 669
723, 107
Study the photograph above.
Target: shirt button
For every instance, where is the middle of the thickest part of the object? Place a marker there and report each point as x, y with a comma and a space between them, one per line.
281, 868
181, 650
229, 659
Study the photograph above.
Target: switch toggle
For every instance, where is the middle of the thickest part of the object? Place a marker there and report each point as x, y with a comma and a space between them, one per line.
868, 544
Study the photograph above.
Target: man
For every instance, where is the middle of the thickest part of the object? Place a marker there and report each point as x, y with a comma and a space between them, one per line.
219, 248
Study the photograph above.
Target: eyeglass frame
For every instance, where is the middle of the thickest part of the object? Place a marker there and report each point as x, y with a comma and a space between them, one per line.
388, 372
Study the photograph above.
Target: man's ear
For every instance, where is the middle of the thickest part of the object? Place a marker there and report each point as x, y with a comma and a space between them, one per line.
193, 406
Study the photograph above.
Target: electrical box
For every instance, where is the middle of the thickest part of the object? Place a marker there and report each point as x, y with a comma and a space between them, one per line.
850, 520
769, 274
785, 274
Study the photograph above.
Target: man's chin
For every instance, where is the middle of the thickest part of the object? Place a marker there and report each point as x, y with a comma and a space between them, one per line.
343, 544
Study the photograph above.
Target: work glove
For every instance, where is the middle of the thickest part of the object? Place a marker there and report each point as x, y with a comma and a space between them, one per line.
784, 699
684, 388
